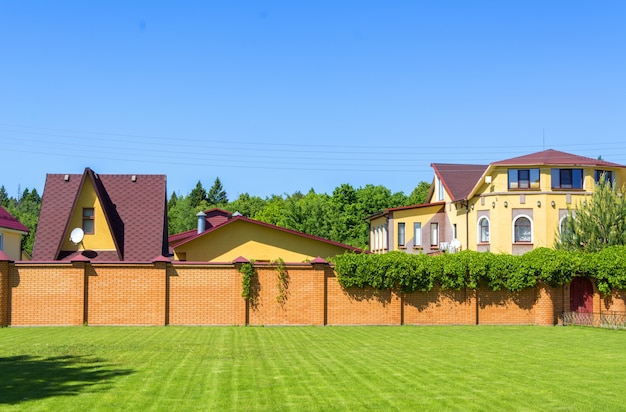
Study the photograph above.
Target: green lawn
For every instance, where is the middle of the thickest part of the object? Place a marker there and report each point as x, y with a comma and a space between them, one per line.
313, 368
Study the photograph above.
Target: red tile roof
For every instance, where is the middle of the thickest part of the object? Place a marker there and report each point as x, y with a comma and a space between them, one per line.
458, 179
554, 157
7, 221
134, 206
184, 237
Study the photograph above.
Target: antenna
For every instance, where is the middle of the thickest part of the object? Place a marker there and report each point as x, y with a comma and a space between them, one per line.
77, 235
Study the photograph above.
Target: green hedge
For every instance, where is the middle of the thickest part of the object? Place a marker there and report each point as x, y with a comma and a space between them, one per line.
469, 269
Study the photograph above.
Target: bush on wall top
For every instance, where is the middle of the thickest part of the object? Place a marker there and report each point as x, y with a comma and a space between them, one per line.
470, 269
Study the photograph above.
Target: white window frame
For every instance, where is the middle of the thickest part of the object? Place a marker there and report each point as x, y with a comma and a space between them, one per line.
434, 234
440, 190
532, 226
561, 220
402, 239
417, 234
479, 231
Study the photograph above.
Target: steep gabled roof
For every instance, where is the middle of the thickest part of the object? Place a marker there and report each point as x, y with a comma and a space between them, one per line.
7, 221
134, 207
185, 237
556, 158
458, 179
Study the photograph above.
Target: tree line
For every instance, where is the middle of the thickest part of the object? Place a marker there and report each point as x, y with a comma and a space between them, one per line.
591, 226
26, 209
340, 216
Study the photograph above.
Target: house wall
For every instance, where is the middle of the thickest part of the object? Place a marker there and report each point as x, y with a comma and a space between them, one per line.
255, 242
537, 204
11, 243
102, 238
379, 235
425, 216
179, 293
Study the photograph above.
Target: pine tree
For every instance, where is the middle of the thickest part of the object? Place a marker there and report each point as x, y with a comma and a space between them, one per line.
596, 223
197, 195
217, 195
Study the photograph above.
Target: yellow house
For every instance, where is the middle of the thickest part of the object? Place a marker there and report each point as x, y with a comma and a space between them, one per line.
102, 217
223, 237
509, 206
11, 232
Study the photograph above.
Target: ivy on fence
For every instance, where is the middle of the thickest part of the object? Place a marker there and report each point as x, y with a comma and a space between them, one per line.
470, 269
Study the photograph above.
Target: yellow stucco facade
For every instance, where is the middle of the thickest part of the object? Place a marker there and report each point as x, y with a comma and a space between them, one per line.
101, 238
511, 208
256, 242
11, 243
543, 206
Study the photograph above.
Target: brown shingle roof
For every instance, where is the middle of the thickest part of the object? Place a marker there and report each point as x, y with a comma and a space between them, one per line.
554, 157
458, 179
134, 206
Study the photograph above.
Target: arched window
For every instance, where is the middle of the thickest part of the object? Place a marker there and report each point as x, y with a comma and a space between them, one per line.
563, 224
522, 230
483, 230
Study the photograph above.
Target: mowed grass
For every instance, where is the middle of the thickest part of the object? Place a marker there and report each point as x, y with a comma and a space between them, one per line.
313, 368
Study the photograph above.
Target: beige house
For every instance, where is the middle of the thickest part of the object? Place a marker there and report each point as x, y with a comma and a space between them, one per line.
11, 232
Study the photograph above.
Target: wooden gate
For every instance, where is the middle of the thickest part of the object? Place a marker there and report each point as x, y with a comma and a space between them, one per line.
581, 295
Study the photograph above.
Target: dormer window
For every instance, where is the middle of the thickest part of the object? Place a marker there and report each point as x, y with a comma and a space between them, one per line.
88, 221
523, 179
567, 178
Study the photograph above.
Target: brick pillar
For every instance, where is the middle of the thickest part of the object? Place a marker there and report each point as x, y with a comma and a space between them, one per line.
242, 306
545, 305
471, 307
162, 263
321, 270
4, 290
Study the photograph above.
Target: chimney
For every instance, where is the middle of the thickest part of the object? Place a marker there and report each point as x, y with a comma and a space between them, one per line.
201, 222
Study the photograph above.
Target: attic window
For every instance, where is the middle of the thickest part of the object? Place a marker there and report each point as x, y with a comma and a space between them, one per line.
88, 221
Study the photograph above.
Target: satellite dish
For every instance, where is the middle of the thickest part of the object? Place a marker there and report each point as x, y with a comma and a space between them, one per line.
77, 235
455, 243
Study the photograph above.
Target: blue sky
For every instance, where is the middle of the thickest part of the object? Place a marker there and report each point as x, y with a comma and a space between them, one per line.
278, 96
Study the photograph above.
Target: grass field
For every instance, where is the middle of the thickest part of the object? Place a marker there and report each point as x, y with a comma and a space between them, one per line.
313, 368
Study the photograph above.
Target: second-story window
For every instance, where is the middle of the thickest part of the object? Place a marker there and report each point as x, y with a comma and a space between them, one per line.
440, 190
89, 226
567, 178
603, 174
523, 179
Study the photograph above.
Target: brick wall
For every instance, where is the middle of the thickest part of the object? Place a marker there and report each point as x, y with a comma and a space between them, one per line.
46, 294
126, 295
183, 293
205, 295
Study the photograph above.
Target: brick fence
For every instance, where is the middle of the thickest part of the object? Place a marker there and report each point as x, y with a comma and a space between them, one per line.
187, 293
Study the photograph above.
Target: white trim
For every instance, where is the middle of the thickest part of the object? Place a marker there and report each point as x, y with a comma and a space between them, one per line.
478, 231
532, 237
417, 239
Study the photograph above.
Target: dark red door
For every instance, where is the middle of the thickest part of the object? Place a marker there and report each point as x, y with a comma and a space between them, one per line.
581, 295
